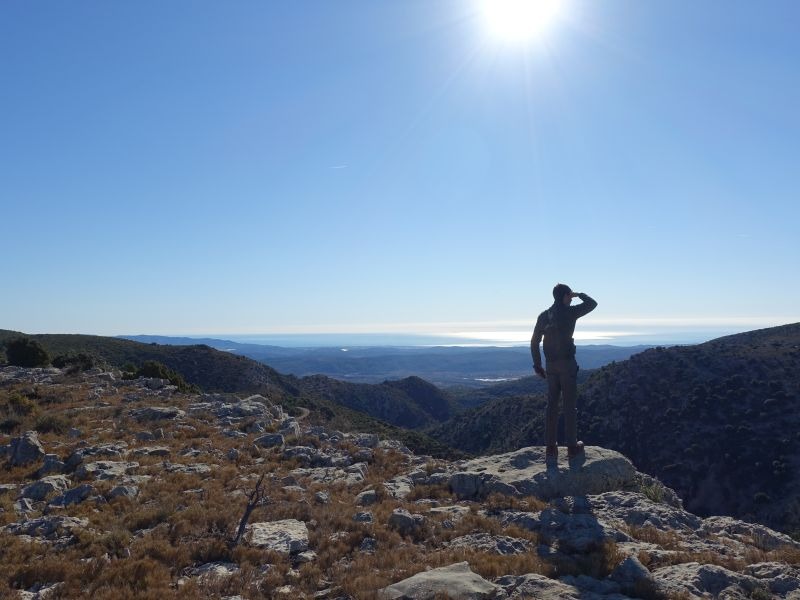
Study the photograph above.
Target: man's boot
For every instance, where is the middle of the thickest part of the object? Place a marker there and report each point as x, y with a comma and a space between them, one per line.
575, 451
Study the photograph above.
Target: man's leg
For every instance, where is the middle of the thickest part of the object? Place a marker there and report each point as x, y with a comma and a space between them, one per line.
569, 387
553, 398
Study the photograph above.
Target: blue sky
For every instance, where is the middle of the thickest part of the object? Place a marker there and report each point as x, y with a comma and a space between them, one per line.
371, 166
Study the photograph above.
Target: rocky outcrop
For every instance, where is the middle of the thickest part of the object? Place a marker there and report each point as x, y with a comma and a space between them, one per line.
288, 536
454, 581
25, 450
526, 473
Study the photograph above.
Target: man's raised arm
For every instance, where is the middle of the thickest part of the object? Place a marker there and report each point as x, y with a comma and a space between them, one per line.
587, 305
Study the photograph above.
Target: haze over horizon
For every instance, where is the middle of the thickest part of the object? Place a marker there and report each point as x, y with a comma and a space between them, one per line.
431, 167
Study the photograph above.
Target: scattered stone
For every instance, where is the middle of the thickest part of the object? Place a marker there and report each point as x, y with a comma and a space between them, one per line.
630, 573
194, 469
52, 464
271, 440
405, 522
152, 451
47, 527
105, 469
74, 433
454, 513
366, 440
368, 545
288, 536
399, 487
40, 591
25, 450
233, 454
209, 572
157, 413
454, 581
74, 496
492, 544
124, 491
306, 557
23, 506
322, 497
145, 436
8, 488
115, 450
40, 490
366, 498
363, 517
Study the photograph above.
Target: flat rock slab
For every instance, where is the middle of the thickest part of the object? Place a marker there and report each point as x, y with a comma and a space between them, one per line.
288, 536
105, 469
526, 473
523, 587
453, 581
157, 413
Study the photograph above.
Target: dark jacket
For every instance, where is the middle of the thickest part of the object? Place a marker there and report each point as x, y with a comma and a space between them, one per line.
557, 325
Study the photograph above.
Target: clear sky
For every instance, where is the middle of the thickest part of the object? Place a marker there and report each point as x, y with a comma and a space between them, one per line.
193, 167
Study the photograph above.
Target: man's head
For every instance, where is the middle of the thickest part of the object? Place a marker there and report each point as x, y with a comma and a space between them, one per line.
562, 294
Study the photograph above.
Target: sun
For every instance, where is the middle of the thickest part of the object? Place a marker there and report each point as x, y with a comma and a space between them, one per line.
519, 21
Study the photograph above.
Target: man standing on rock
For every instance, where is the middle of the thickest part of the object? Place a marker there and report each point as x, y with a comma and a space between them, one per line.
557, 326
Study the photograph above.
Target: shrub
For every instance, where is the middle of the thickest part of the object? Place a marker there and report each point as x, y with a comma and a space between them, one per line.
76, 362
25, 352
153, 368
51, 424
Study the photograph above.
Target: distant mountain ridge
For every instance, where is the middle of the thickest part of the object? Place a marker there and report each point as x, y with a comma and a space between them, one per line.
445, 366
718, 422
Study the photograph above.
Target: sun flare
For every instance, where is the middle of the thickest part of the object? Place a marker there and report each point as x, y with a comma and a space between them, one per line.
520, 20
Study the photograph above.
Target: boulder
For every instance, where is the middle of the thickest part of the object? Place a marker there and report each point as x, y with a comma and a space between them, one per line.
271, 440
405, 522
124, 491
363, 517
209, 572
152, 451
454, 581
115, 450
39, 490
630, 573
74, 496
288, 536
52, 464
366, 498
525, 473
25, 450
399, 487
193, 469
569, 532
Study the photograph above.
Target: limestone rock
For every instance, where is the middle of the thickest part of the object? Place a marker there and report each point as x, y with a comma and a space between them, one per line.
40, 490
271, 440
288, 536
569, 532
399, 487
533, 585
52, 464
366, 498
105, 469
47, 527
493, 544
454, 581
405, 522
74, 496
363, 517
209, 572
525, 472
115, 450
702, 581
193, 469
124, 491
157, 413
25, 450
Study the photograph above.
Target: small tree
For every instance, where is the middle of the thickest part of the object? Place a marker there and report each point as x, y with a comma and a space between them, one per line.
25, 352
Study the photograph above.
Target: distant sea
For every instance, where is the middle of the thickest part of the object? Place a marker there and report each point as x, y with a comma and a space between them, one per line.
666, 337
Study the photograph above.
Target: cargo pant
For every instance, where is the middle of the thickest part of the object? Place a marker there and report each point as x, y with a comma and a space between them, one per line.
562, 384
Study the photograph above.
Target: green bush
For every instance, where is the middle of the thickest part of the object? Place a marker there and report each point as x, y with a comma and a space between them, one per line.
25, 352
155, 369
76, 362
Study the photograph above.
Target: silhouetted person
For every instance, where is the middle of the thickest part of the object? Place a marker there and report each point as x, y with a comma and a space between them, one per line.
557, 326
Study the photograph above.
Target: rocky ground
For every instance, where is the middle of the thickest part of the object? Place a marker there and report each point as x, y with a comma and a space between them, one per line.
128, 489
